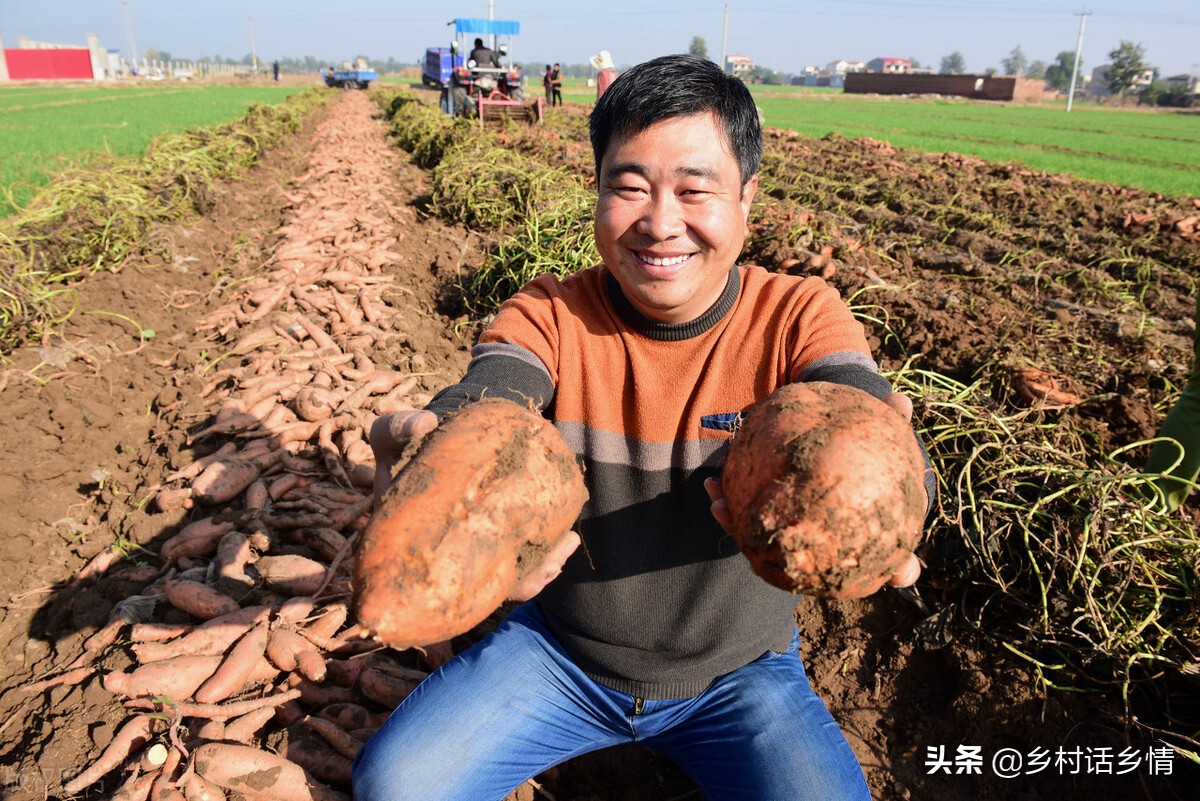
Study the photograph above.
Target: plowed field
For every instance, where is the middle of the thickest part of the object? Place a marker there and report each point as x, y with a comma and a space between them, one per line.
326, 267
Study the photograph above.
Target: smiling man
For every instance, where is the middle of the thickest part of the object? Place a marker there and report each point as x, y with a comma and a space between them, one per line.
655, 631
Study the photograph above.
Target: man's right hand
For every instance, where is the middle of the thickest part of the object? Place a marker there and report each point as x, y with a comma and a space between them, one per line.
390, 434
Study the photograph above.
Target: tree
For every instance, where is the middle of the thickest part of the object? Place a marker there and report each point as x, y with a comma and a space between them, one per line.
1128, 62
914, 64
765, 76
1037, 70
953, 64
154, 54
698, 47
1058, 74
1016, 63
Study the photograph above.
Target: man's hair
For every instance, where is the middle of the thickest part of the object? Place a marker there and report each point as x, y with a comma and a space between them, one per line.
678, 86
478, 42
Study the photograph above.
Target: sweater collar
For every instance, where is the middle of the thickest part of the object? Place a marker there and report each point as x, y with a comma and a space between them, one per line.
674, 332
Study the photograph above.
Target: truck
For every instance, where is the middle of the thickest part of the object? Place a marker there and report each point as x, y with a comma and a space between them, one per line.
352, 75
438, 66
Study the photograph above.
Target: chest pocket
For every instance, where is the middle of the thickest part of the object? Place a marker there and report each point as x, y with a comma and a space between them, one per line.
728, 421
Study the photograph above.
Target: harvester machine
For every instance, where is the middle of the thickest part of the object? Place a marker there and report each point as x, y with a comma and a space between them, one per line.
492, 94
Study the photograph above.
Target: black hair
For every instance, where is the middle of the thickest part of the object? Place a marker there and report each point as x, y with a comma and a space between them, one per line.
478, 42
679, 86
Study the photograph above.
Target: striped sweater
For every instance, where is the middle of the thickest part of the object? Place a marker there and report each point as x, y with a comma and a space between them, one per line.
658, 602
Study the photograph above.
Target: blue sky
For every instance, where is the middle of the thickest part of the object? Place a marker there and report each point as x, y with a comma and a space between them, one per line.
785, 36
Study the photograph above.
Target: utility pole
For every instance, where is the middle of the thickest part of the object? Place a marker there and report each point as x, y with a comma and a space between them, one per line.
253, 53
491, 16
133, 54
724, 36
1083, 15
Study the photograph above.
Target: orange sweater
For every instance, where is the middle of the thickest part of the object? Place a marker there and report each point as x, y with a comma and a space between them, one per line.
659, 601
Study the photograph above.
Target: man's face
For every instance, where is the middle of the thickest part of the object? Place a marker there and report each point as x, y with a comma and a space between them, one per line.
671, 216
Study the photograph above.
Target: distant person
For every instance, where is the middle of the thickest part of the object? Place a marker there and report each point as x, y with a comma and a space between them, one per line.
484, 56
546, 82
275, 69
556, 77
606, 72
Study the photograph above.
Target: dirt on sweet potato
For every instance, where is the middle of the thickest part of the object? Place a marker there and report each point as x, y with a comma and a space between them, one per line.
488, 489
824, 483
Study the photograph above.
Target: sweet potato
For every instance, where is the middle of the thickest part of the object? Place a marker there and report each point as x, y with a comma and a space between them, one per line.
198, 599
223, 480
258, 774
316, 756
195, 539
482, 498
175, 678
291, 574
237, 668
285, 645
211, 637
132, 735
824, 484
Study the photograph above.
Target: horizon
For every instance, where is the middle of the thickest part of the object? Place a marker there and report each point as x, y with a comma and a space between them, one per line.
775, 35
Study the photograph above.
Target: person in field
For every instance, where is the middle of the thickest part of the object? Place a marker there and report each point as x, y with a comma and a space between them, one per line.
556, 81
606, 73
484, 56
655, 631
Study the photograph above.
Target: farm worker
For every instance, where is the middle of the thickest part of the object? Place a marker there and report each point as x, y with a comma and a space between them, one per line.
657, 631
546, 82
556, 79
483, 56
275, 69
1181, 469
603, 62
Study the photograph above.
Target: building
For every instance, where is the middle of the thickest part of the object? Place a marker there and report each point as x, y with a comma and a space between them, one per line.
46, 61
844, 66
976, 87
890, 66
1190, 82
738, 66
1098, 87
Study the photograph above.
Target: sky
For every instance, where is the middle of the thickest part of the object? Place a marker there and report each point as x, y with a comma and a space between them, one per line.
783, 36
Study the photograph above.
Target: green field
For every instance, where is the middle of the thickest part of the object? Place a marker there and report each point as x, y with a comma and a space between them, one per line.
43, 127
1155, 150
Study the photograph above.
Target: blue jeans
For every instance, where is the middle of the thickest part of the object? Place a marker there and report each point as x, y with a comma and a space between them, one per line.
515, 705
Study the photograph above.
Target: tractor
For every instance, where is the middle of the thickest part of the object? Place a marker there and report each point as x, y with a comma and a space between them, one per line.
490, 94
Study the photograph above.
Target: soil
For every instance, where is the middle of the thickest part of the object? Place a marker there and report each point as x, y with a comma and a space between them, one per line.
98, 414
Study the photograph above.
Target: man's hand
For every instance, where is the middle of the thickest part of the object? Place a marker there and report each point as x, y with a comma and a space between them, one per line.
909, 571
548, 570
390, 433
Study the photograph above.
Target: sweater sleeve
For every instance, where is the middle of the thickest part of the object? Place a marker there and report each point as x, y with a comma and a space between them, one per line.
514, 357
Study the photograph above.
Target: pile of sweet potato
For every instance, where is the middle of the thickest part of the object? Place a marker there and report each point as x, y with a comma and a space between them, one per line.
236, 662
825, 486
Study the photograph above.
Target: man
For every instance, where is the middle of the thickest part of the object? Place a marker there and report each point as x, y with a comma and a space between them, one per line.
556, 80
656, 631
483, 56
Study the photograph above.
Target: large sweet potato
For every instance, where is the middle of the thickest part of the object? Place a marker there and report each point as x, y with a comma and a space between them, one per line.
482, 498
824, 483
